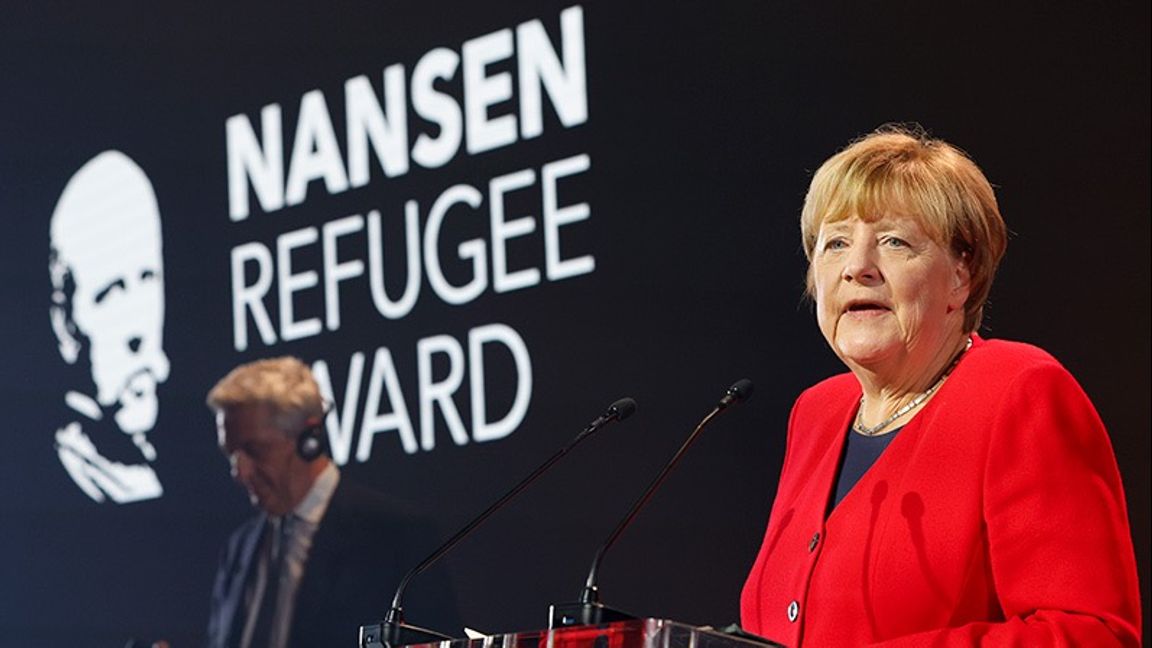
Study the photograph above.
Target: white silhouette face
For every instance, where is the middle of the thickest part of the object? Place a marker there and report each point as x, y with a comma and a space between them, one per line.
106, 232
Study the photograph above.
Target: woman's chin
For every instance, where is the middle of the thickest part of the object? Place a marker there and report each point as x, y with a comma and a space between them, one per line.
866, 352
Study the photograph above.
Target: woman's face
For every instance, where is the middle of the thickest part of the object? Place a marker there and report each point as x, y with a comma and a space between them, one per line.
888, 297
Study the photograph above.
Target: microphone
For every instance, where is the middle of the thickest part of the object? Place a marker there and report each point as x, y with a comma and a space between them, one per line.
393, 631
740, 391
588, 610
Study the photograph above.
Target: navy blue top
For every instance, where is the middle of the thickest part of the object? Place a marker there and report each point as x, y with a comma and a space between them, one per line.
859, 454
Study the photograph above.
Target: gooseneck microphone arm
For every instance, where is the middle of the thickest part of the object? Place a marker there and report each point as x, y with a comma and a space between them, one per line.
393, 626
738, 392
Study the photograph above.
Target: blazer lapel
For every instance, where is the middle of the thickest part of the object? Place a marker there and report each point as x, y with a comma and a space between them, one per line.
823, 478
322, 569
247, 555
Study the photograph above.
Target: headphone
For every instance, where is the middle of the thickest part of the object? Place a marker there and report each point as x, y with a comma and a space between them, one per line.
311, 443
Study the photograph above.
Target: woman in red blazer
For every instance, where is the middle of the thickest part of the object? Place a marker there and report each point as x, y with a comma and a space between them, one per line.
948, 491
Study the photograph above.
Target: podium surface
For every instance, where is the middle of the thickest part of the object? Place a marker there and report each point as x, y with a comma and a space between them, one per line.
634, 633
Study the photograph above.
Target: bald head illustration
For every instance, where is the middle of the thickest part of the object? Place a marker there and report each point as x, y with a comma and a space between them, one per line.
107, 309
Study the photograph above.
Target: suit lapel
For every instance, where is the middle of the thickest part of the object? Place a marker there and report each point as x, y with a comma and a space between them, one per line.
247, 555
321, 571
823, 479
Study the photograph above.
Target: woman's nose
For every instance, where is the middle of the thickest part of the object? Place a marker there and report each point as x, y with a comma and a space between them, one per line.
860, 265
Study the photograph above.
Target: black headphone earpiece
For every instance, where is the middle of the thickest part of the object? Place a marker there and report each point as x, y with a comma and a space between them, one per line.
310, 443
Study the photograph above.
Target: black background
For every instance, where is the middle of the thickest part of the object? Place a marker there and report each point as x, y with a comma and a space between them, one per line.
705, 123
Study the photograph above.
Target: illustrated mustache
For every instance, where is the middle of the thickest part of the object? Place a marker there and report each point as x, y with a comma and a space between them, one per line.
156, 368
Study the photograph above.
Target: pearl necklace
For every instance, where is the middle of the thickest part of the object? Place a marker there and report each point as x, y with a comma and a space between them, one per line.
859, 428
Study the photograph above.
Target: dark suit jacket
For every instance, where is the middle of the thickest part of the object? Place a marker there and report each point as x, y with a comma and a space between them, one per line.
363, 547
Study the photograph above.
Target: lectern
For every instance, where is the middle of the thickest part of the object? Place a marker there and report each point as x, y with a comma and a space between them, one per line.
633, 633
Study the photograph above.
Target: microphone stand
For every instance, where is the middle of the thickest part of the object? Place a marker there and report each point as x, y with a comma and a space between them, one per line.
588, 610
394, 631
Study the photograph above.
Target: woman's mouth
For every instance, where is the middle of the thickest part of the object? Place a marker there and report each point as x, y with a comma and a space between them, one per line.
866, 308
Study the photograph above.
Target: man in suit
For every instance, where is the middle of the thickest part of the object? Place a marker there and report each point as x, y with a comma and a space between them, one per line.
321, 557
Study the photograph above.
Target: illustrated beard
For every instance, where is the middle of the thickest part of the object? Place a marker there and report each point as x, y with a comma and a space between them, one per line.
136, 410
114, 429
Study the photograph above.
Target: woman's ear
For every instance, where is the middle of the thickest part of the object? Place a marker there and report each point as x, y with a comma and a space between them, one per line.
961, 281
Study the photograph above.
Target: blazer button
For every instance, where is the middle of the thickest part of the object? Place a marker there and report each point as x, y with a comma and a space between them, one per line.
815, 541
793, 611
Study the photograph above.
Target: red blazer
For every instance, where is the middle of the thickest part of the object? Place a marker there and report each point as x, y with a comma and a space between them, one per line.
995, 517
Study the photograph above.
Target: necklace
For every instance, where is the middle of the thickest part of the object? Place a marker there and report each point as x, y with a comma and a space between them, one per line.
859, 428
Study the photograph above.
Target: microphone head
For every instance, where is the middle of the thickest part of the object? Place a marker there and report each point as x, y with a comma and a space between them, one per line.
741, 390
621, 409
737, 393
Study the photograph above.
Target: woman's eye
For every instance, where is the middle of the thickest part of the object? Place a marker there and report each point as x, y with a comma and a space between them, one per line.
836, 244
892, 241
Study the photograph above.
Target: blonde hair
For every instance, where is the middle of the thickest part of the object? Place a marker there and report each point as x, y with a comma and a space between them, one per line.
285, 384
900, 169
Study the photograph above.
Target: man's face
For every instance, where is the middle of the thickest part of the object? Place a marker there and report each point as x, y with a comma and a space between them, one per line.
262, 457
111, 243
